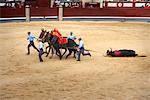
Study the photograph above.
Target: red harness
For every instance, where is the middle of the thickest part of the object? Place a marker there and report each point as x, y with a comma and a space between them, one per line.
61, 40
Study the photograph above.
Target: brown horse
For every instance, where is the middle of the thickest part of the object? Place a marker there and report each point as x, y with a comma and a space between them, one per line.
70, 46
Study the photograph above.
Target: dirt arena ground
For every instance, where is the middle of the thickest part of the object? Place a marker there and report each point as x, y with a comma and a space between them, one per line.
23, 77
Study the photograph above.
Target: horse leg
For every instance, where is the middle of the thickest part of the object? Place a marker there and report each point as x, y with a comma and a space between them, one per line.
60, 57
64, 52
70, 52
52, 53
58, 53
48, 50
74, 54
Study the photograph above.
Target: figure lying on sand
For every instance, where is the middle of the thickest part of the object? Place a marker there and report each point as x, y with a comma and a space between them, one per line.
122, 53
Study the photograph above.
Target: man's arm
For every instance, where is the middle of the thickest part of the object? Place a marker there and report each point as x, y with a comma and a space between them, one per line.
28, 38
34, 37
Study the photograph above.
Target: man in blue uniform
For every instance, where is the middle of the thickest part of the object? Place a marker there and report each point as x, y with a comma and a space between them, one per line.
81, 50
71, 36
31, 38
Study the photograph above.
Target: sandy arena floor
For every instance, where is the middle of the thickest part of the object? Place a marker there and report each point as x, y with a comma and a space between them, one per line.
23, 77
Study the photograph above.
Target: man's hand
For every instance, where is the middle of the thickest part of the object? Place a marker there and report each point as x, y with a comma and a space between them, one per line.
77, 49
37, 39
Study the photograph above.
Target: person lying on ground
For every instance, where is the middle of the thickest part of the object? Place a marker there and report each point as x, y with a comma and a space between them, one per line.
121, 53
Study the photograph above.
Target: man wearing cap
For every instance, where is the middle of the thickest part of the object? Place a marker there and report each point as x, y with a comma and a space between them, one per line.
81, 50
31, 38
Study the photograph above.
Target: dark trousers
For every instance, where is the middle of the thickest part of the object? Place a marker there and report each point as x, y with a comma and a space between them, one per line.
81, 51
31, 44
40, 55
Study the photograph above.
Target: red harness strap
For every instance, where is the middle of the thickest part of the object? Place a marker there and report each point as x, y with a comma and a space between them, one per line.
61, 40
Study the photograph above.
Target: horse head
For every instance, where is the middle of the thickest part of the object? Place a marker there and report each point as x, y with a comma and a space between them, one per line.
46, 37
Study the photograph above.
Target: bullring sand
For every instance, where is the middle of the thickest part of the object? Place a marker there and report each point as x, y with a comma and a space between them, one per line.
23, 77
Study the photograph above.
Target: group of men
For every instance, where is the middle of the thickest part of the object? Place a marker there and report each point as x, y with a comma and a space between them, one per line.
31, 37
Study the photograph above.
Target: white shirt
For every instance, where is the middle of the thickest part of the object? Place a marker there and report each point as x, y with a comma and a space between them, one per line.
81, 44
72, 37
41, 45
30, 37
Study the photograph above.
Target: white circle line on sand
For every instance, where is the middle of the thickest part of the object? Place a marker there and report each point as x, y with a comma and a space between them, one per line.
77, 17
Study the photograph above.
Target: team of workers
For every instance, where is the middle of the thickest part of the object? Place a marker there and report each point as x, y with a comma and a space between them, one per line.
31, 37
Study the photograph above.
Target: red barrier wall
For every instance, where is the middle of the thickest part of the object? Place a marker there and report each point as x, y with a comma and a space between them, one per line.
12, 12
46, 11
126, 12
20, 12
